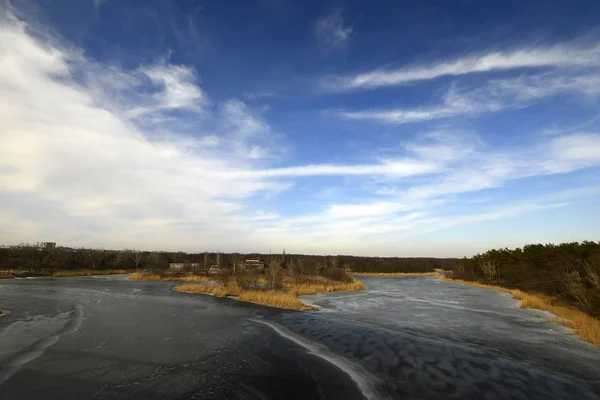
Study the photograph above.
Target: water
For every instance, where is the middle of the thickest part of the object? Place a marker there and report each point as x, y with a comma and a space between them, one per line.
410, 329
404, 338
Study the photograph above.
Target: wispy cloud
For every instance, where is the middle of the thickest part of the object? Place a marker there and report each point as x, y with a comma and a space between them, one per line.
96, 154
71, 151
561, 55
174, 87
469, 167
496, 95
77, 166
332, 33
395, 168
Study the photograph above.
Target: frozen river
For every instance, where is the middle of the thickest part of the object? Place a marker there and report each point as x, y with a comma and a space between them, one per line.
404, 338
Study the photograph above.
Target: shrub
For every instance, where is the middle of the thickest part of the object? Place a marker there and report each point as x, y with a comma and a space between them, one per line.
337, 274
249, 280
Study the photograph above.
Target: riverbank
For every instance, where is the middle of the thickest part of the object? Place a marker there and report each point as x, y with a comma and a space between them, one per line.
584, 325
61, 274
89, 272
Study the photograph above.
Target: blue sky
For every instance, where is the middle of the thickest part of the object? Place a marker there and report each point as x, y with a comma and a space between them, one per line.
389, 128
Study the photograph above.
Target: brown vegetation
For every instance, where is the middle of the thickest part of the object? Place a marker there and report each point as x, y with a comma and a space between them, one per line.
280, 298
275, 298
143, 276
585, 325
315, 286
277, 285
6, 275
216, 289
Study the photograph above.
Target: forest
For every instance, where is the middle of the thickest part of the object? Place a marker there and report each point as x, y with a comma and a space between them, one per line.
569, 272
40, 261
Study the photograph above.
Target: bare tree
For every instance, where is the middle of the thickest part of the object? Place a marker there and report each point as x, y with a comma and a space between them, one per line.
334, 262
319, 267
300, 265
592, 272
137, 257
576, 288
460, 268
291, 267
153, 261
274, 273
117, 259
489, 269
29, 258
53, 261
95, 257
206, 264
235, 260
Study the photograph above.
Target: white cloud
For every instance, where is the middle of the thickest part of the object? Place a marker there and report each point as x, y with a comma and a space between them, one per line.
572, 152
79, 165
400, 168
76, 168
178, 86
97, 177
469, 167
332, 33
561, 55
496, 95
399, 116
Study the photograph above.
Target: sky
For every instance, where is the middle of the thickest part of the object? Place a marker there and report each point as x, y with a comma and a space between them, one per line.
382, 128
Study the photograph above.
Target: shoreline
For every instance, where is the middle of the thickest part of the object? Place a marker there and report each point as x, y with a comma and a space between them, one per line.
585, 326
247, 301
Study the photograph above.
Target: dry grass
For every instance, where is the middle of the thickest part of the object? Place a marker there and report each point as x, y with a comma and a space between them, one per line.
6, 275
194, 278
300, 289
142, 276
88, 272
395, 273
584, 325
215, 289
476, 284
279, 298
538, 301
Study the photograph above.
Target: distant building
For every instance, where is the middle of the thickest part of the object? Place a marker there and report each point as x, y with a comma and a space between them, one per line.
183, 265
47, 245
254, 264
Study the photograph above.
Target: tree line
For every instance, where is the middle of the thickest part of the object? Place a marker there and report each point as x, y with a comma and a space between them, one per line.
38, 260
567, 271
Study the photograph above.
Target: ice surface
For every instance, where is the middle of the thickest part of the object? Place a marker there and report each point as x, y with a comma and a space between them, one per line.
429, 337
